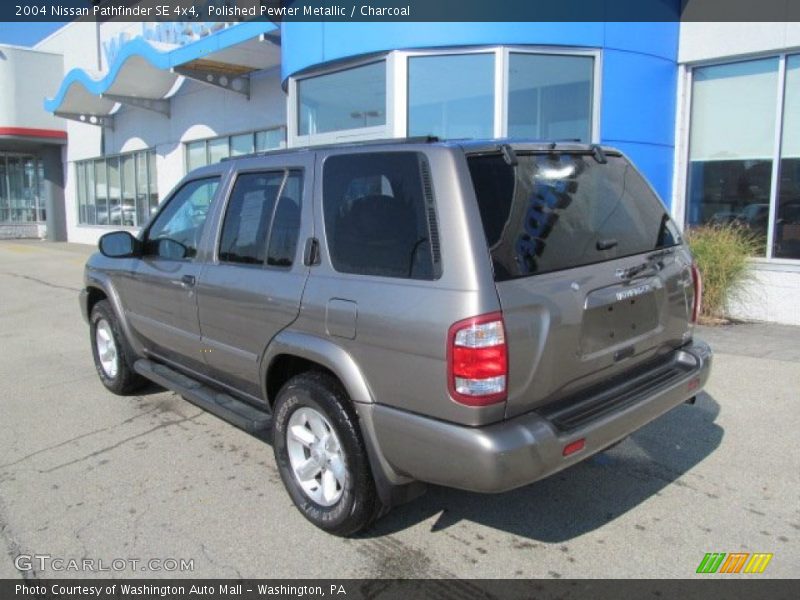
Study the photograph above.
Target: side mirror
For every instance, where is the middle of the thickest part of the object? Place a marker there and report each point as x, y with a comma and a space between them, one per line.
119, 244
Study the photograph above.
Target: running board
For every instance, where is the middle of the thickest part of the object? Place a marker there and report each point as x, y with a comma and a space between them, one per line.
226, 407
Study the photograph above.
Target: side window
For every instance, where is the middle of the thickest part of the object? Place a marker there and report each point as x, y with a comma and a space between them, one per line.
177, 230
286, 223
379, 215
263, 212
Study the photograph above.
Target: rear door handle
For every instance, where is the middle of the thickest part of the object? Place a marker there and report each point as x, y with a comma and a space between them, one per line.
188, 281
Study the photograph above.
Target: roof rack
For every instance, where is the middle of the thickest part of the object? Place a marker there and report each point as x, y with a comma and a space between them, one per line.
421, 139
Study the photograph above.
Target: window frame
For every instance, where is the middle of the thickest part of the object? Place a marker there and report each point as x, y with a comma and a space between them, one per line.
684, 128
287, 172
144, 235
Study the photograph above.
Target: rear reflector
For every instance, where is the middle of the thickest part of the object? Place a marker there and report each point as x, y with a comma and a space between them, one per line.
697, 282
477, 360
574, 447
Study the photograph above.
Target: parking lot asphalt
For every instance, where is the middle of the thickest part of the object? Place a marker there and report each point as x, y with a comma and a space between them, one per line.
85, 474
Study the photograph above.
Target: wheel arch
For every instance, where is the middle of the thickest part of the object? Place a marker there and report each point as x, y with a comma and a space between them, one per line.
295, 352
291, 353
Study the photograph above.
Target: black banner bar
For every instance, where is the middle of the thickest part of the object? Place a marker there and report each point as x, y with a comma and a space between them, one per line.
715, 586
401, 10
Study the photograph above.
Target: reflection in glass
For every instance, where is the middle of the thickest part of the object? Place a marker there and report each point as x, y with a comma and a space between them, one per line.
217, 150
80, 176
732, 144
241, 144
787, 214
152, 175
550, 96
91, 202
270, 139
114, 208
4, 200
196, 155
330, 103
142, 208
451, 96
101, 192
128, 190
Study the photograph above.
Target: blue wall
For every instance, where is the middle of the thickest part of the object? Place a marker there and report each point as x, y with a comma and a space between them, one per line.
639, 77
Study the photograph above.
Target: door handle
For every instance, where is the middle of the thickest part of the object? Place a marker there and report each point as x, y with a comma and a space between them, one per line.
188, 281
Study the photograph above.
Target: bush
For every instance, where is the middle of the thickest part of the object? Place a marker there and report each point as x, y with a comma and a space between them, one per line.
722, 253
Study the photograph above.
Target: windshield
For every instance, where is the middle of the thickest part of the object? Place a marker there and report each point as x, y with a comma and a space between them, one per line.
556, 211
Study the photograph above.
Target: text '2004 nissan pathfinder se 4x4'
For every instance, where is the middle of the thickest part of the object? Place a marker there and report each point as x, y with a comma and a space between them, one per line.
471, 314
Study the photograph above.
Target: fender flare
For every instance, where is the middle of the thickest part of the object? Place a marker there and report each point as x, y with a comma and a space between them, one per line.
101, 281
393, 487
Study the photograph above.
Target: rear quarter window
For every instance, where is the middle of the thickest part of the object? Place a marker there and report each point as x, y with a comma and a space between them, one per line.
557, 211
379, 215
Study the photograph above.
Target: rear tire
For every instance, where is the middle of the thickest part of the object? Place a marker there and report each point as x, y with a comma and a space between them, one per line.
321, 455
112, 356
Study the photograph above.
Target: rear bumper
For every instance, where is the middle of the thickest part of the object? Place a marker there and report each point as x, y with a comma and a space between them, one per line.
521, 450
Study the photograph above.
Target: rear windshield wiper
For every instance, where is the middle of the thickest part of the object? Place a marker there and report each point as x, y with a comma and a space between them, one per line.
509, 155
598, 154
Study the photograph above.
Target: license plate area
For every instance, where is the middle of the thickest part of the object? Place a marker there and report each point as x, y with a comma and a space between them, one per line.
615, 315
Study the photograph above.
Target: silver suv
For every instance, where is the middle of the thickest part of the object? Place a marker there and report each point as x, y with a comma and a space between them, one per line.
475, 314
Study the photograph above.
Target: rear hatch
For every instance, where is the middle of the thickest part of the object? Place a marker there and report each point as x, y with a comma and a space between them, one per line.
590, 270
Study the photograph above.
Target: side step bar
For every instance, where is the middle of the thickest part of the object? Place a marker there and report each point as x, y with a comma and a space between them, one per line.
226, 407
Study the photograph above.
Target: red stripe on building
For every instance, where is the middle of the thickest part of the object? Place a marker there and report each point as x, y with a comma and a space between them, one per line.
31, 132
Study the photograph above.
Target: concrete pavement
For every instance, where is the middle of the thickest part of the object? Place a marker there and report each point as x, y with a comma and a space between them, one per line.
85, 474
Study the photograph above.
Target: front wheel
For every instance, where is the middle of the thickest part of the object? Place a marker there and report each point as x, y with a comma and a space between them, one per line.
321, 456
109, 351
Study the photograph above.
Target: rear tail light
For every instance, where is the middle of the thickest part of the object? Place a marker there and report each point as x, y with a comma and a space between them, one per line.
697, 282
477, 360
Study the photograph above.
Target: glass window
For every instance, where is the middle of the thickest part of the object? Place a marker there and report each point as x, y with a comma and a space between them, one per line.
116, 190
101, 192
91, 202
176, 232
153, 182
451, 96
560, 210
270, 139
349, 99
40, 200
142, 207
128, 168
241, 144
376, 215
550, 96
114, 208
732, 143
250, 209
286, 223
196, 155
217, 150
80, 176
787, 214
4, 197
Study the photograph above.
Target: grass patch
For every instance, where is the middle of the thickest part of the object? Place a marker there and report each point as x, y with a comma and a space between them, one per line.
722, 254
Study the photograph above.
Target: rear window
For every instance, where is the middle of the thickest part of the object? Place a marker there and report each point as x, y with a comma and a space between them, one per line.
557, 211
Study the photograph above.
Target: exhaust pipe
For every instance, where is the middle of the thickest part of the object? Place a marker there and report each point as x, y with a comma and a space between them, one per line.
692, 400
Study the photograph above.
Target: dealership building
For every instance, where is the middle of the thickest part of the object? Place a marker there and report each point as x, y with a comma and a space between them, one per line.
119, 112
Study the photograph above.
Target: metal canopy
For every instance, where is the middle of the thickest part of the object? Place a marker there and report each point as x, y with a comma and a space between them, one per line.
146, 74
